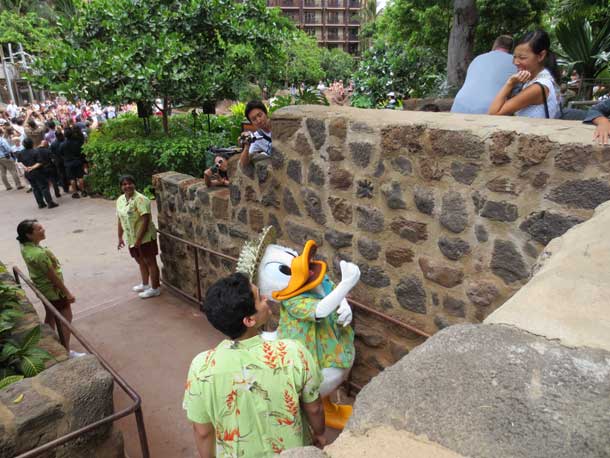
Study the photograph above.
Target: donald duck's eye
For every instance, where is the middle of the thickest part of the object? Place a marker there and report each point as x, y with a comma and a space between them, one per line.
285, 270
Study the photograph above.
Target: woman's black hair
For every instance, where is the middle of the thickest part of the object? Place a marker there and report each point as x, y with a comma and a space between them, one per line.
252, 104
228, 302
539, 41
129, 178
25, 228
27, 143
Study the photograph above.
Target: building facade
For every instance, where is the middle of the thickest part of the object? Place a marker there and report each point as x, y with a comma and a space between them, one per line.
334, 23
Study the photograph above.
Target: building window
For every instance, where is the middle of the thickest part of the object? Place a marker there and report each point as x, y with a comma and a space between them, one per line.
354, 3
353, 34
310, 31
310, 3
333, 3
287, 2
333, 17
333, 33
354, 19
352, 48
310, 17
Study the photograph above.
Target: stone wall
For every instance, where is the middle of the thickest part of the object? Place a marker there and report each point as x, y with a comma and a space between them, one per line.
445, 214
68, 395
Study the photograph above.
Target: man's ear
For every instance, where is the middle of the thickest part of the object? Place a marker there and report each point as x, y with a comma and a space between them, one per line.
249, 321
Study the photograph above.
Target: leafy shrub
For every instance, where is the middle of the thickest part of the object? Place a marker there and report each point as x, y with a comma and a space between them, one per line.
18, 359
121, 147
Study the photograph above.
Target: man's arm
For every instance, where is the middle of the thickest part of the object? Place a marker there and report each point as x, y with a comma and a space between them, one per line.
601, 109
120, 243
314, 411
244, 157
598, 115
204, 439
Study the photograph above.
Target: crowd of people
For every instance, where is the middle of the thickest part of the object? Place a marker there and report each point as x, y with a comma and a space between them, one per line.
43, 142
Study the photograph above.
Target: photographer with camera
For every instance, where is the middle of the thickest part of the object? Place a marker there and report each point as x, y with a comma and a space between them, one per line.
217, 174
256, 145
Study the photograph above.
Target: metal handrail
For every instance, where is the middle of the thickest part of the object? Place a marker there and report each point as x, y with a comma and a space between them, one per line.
135, 408
197, 299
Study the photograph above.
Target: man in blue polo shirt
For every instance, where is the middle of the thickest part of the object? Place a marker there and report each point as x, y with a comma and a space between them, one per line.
485, 77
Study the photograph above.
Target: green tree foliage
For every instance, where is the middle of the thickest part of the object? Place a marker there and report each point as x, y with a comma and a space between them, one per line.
337, 64
408, 71
31, 30
142, 50
303, 59
121, 146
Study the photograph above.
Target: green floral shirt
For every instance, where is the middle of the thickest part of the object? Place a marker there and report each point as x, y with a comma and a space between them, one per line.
331, 344
249, 390
129, 213
39, 261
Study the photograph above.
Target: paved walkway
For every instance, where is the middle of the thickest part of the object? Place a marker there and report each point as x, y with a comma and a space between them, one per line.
150, 342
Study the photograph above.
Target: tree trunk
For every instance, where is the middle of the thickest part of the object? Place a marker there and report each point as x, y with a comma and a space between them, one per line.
461, 41
166, 112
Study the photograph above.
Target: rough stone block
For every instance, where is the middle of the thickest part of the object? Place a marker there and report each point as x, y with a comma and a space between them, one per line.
533, 149
341, 209
270, 198
398, 256
300, 234
361, 153
411, 294
262, 172
500, 211
317, 131
294, 171
544, 226
443, 275
335, 153
540, 180
530, 388
313, 206
458, 143
257, 219
220, 204
454, 215
277, 159
365, 189
502, 185
424, 200
273, 221
301, 144
507, 263
315, 175
453, 248
341, 179
393, 195
464, 173
370, 219
397, 138
289, 203
581, 193
370, 338
481, 233
403, 165
373, 276
338, 128
573, 158
430, 169
454, 307
250, 194
283, 129
369, 249
338, 239
482, 293
411, 230
498, 148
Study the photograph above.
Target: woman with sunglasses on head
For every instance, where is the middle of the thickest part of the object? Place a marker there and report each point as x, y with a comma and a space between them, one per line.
538, 96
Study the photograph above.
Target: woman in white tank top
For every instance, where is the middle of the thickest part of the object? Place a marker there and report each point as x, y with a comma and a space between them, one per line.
538, 72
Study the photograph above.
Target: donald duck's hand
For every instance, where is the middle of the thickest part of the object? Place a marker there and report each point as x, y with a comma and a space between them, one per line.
350, 273
345, 314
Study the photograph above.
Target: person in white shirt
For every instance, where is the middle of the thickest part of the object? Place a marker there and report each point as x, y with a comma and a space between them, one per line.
259, 146
12, 109
537, 76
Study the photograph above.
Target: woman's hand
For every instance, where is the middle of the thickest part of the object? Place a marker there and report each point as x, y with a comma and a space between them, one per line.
602, 131
522, 76
137, 243
71, 298
121, 244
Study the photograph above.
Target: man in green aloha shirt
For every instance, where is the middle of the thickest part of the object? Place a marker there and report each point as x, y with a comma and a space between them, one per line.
250, 397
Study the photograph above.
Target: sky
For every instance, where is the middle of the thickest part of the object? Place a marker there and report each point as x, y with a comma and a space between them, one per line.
381, 4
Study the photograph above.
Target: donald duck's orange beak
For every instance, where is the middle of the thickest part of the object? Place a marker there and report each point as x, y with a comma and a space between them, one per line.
306, 273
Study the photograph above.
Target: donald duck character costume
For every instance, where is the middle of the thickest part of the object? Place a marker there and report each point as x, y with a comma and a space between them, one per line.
313, 310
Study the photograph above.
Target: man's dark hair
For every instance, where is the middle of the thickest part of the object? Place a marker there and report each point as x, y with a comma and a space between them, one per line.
228, 302
252, 104
28, 143
32, 123
128, 178
503, 41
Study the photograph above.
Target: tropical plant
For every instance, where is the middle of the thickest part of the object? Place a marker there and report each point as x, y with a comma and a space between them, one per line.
337, 65
583, 49
18, 359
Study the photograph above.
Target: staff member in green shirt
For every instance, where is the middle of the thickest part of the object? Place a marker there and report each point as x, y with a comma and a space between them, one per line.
135, 223
45, 272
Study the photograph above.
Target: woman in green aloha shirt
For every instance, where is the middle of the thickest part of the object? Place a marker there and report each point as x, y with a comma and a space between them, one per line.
45, 272
136, 225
